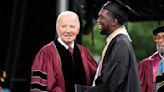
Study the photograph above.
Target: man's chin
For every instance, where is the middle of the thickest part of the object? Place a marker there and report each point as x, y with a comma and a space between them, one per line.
102, 32
161, 49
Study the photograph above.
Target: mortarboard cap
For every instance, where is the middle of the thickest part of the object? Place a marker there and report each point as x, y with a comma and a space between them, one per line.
159, 29
119, 8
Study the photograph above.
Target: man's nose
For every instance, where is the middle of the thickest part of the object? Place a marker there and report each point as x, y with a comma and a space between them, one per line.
98, 19
68, 29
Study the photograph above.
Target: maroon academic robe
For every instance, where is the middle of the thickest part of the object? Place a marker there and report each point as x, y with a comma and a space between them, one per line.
145, 68
47, 71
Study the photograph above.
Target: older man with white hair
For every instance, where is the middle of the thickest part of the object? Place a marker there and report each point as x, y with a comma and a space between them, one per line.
151, 67
62, 63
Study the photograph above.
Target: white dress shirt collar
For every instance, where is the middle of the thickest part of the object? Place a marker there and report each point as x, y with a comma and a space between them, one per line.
65, 45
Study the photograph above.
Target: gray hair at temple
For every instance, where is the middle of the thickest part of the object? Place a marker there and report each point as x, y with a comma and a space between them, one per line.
65, 13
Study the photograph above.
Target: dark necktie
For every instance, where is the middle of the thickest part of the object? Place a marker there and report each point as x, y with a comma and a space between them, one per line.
71, 52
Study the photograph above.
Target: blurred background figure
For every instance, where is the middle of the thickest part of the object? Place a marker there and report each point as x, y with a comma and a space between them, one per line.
3, 77
150, 67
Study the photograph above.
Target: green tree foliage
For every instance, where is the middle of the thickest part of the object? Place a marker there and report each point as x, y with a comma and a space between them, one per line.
142, 38
94, 42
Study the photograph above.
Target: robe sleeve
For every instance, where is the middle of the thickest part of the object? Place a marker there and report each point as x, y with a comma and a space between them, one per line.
89, 63
146, 75
44, 76
92, 65
142, 77
39, 73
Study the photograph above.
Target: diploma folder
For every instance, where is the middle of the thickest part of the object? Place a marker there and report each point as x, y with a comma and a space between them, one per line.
81, 88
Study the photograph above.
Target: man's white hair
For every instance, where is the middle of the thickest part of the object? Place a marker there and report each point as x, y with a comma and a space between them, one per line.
65, 13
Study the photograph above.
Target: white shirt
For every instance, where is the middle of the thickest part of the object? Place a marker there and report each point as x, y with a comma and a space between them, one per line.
65, 45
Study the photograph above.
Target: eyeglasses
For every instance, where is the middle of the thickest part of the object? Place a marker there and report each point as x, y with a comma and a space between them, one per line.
159, 37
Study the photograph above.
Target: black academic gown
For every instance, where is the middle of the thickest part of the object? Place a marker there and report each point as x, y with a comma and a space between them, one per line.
119, 70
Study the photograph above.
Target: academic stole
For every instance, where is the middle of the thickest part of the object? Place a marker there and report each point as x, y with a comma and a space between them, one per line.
160, 74
98, 72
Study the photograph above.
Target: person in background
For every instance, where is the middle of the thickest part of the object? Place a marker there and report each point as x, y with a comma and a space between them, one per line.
149, 67
3, 79
62, 63
117, 70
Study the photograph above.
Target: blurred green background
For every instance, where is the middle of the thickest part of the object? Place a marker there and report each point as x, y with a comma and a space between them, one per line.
140, 33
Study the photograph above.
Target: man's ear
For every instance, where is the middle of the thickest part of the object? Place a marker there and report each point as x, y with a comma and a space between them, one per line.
78, 30
115, 21
57, 28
